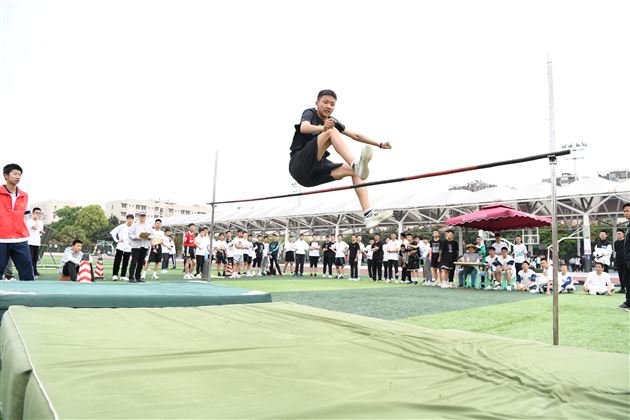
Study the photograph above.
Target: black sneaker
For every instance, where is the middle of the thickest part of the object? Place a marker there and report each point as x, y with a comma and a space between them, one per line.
132, 281
624, 307
140, 281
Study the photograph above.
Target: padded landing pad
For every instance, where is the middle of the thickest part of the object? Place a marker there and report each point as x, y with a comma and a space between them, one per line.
283, 360
123, 295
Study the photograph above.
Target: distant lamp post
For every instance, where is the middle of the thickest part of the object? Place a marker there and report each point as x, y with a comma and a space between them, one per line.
575, 147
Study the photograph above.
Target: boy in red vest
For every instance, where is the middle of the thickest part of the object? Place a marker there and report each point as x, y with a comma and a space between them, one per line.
13, 231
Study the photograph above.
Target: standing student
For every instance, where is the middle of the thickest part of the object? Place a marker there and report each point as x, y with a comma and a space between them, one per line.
313, 256
377, 258
168, 248
309, 166
369, 254
239, 250
265, 257
155, 252
603, 250
140, 235
300, 255
519, 252
448, 256
498, 243
220, 246
14, 234
341, 251
247, 253
229, 249
289, 255
35, 229
426, 262
329, 257
189, 247
120, 234
626, 258
274, 252
620, 262
393, 249
354, 250
202, 243
436, 244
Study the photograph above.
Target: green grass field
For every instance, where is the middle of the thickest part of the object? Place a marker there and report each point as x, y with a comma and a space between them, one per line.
588, 322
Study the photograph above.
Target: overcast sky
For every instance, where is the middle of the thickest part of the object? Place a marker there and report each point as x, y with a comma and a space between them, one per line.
104, 100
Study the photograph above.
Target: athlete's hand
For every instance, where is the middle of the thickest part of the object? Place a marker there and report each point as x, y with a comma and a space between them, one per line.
329, 123
386, 145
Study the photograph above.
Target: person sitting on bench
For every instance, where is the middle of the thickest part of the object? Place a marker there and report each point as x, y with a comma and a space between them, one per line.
71, 260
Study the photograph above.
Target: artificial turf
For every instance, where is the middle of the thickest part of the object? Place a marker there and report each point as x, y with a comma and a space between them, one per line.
589, 322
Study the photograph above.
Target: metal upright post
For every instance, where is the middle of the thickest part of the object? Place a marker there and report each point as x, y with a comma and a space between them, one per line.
554, 206
214, 192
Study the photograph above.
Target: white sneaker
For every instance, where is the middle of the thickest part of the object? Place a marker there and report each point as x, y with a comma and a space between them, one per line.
508, 288
154, 276
114, 278
198, 276
361, 166
124, 278
497, 287
330, 276
143, 275
376, 218
165, 271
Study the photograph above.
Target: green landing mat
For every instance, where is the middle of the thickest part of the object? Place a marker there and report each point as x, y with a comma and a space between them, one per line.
123, 295
281, 360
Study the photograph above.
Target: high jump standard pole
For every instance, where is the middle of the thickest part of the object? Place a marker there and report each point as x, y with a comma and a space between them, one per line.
554, 208
214, 193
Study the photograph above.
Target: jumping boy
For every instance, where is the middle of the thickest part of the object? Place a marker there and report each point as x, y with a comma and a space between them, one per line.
315, 133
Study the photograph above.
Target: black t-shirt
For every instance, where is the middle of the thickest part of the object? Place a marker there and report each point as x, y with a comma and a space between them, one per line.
310, 115
354, 248
449, 252
327, 251
259, 249
435, 246
377, 255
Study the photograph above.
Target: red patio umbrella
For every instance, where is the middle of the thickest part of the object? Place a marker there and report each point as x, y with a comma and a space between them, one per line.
497, 217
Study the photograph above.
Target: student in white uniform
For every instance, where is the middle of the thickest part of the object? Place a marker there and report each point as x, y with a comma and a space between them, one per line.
504, 264
168, 248
202, 243
220, 254
120, 234
527, 278
491, 268
300, 255
289, 255
519, 252
313, 257
565, 280
598, 282
341, 250
35, 229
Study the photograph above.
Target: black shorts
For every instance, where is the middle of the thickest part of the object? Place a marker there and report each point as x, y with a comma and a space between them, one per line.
190, 252
155, 256
247, 259
446, 265
313, 261
230, 260
220, 258
413, 264
434, 261
289, 256
340, 262
307, 170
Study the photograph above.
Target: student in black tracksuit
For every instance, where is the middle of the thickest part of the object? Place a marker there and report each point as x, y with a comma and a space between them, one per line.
620, 262
626, 258
354, 264
329, 256
377, 259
